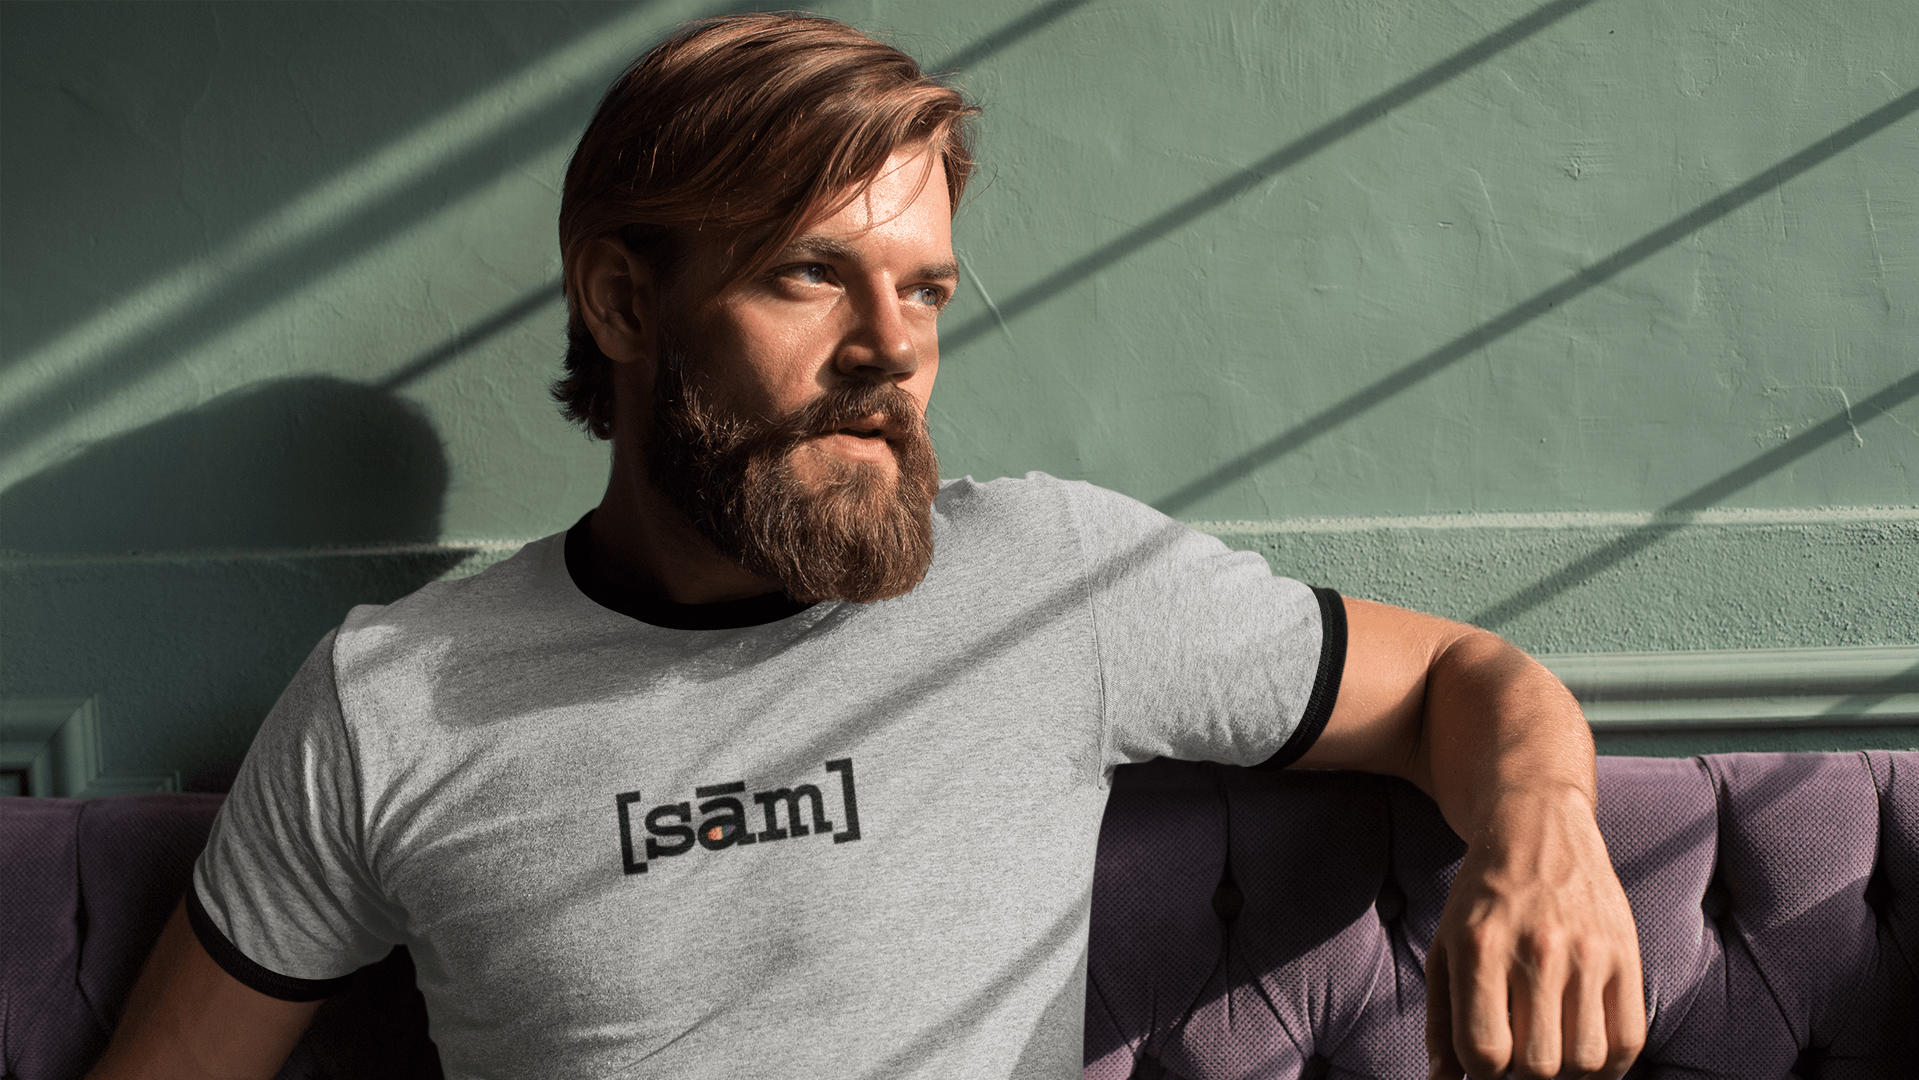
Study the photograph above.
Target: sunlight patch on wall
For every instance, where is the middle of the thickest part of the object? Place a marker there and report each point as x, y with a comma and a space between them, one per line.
591, 59
363, 321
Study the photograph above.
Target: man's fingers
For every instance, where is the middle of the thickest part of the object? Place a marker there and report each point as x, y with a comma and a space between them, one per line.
1625, 1020
1534, 971
1538, 990
1584, 1030
1441, 1062
1482, 1026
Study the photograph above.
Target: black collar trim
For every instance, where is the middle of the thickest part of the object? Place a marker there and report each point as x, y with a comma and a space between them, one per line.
725, 615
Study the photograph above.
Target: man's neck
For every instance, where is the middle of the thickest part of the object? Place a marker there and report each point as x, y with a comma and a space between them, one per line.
642, 542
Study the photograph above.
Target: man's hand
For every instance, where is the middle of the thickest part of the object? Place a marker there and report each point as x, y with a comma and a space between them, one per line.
1535, 967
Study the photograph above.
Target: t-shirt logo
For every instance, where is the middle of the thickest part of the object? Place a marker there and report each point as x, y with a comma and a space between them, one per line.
724, 820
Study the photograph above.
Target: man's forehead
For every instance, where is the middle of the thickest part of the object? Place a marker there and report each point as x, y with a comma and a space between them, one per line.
904, 201
909, 183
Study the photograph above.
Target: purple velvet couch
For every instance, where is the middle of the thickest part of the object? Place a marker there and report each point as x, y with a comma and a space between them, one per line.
1245, 924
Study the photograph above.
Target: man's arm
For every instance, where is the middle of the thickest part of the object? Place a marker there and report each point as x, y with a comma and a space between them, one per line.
1535, 965
188, 1018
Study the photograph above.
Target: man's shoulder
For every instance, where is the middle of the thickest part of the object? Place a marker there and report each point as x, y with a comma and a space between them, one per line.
997, 517
1039, 525
1041, 503
441, 611
1036, 493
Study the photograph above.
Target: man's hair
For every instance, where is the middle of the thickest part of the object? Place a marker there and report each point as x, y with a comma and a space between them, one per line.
746, 125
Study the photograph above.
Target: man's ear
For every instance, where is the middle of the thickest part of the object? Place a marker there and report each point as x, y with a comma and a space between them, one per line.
619, 299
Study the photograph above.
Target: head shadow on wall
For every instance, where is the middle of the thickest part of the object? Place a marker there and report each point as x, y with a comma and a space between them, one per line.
182, 571
291, 464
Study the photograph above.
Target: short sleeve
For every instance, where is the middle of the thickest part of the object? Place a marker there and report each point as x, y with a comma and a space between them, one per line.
1204, 653
281, 897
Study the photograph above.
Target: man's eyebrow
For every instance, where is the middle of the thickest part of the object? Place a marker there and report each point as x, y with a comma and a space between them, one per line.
942, 271
826, 247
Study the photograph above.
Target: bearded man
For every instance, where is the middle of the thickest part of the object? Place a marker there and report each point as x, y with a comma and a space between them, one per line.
789, 759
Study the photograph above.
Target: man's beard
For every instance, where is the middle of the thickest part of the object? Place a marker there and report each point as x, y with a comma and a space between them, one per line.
853, 535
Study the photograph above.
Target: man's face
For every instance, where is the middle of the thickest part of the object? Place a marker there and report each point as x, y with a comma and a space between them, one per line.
855, 297
789, 408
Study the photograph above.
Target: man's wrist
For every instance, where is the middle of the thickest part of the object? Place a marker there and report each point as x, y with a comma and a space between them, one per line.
1522, 815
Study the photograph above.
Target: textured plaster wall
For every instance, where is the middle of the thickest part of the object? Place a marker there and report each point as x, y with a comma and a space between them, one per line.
1594, 320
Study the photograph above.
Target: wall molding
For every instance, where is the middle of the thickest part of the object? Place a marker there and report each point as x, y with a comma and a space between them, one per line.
1858, 686
455, 560
462, 549
1571, 519
52, 746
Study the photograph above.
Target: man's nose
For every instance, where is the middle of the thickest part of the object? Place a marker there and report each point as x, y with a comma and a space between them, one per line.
881, 344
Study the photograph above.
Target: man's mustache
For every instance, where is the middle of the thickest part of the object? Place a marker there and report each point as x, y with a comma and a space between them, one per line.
851, 405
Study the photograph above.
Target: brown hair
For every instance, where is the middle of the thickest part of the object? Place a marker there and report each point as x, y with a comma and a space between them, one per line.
747, 125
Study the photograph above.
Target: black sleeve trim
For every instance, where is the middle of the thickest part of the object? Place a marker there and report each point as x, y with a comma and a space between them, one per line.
236, 963
1319, 704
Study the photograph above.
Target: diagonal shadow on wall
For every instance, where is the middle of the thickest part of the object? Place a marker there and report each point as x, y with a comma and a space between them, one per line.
1677, 514
1904, 682
31, 416
1250, 177
551, 292
1023, 27
473, 336
1539, 304
287, 272
369, 149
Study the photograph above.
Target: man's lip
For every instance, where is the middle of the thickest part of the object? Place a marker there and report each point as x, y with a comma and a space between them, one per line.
869, 427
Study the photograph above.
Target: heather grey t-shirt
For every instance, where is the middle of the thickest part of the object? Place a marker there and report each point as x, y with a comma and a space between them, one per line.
856, 841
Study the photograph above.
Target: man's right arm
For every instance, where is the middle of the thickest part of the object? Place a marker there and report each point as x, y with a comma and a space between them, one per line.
188, 1018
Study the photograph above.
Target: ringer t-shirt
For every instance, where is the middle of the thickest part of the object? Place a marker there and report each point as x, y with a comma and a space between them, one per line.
627, 839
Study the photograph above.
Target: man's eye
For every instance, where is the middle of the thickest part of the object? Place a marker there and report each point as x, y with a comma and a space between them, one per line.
811, 273
928, 295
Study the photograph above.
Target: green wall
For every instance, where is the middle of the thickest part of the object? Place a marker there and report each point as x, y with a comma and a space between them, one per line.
1592, 320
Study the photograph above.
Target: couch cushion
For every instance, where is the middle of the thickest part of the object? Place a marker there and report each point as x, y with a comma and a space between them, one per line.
41, 1011
1774, 897
89, 886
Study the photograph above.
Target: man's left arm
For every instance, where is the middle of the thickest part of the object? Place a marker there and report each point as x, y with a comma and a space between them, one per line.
1535, 965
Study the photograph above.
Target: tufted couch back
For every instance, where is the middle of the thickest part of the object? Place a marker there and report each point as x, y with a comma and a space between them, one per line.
1256, 925
1245, 924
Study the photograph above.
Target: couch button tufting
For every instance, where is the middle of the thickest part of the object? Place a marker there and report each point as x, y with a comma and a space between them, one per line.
1391, 903
1878, 893
1716, 901
1147, 1068
1227, 899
